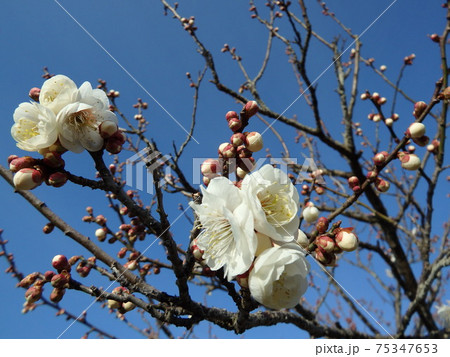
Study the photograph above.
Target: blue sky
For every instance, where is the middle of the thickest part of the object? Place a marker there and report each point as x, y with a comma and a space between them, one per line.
158, 53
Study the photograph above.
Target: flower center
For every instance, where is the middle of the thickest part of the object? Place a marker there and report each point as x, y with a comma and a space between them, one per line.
276, 206
218, 235
84, 119
27, 129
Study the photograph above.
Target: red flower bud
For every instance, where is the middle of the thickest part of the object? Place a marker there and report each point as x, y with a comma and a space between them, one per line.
54, 160
100, 219
419, 108
49, 275
237, 139
326, 243
353, 181
19, 163
57, 179
33, 294
382, 185
57, 295
251, 108
231, 114
59, 281
380, 158
107, 128
322, 225
34, 93
60, 263
327, 259
234, 124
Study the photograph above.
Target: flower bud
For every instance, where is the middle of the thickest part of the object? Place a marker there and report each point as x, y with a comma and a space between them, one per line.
415, 130
241, 173
382, 101
383, 68
48, 228
435, 37
395, 117
327, 259
19, 163
346, 239
122, 252
48, 275
353, 181
302, 239
380, 158
419, 108
107, 128
251, 108
254, 141
74, 259
234, 124
322, 225
100, 219
210, 168
128, 306
389, 122
409, 161
57, 295
371, 175
59, 281
60, 263
231, 114
83, 270
365, 96
54, 160
433, 147
118, 136
11, 158
33, 294
34, 93
131, 265
382, 185
57, 179
113, 146
376, 118
27, 179
101, 234
243, 152
113, 304
422, 141
237, 139
228, 151
28, 280
375, 96
310, 213
326, 243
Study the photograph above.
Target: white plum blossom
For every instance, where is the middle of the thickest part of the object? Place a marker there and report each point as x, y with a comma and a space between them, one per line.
57, 92
78, 122
34, 127
278, 277
227, 239
273, 201
444, 314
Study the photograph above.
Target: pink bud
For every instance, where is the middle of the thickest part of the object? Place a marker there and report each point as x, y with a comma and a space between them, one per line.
60, 263
319, 190
353, 181
196, 251
372, 175
34, 93
326, 243
254, 141
380, 158
210, 168
59, 281
356, 188
435, 38
57, 295
346, 239
107, 128
54, 160
234, 124
382, 185
231, 114
11, 158
100, 219
19, 163
322, 225
237, 139
415, 130
327, 259
251, 108
49, 275
422, 141
419, 108
57, 179
27, 179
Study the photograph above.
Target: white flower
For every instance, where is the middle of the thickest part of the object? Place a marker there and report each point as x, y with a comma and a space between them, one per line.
57, 92
444, 314
274, 202
278, 277
35, 127
228, 238
78, 122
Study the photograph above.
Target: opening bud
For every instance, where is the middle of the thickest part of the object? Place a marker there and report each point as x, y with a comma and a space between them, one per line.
210, 168
254, 141
237, 139
228, 151
27, 179
415, 130
234, 124
107, 128
326, 243
382, 185
346, 239
409, 161
380, 158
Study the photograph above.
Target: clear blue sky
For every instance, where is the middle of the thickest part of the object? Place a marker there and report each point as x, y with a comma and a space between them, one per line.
158, 53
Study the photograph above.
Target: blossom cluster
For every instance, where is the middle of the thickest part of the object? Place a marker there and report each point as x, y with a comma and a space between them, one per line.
251, 233
62, 117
